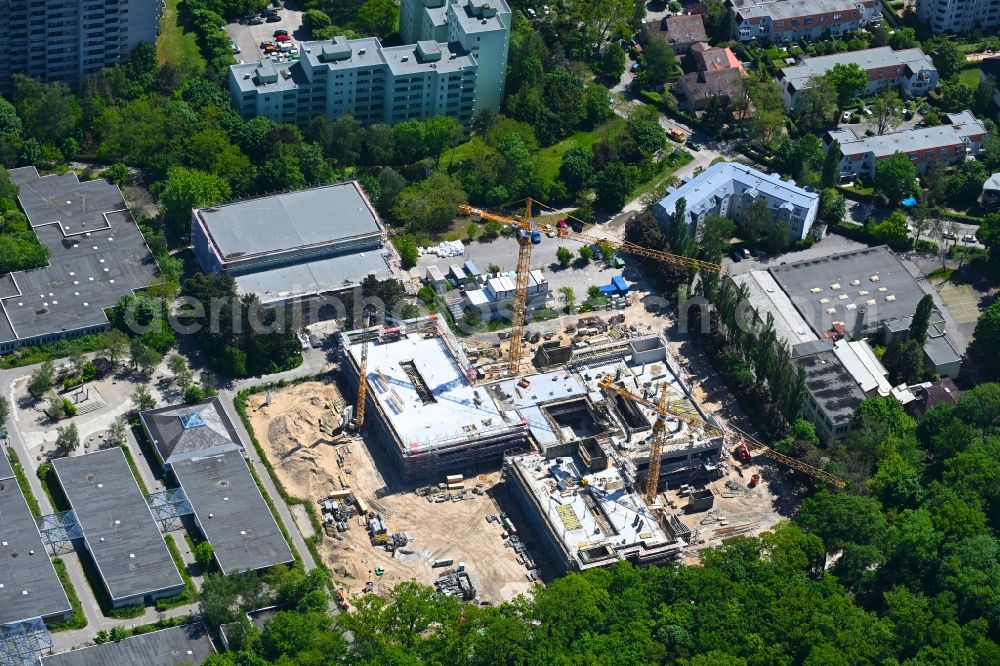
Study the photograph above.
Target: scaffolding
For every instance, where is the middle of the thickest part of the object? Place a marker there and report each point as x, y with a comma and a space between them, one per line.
22, 643
168, 507
58, 530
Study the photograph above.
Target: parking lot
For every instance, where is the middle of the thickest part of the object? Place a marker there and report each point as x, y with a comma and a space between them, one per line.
249, 37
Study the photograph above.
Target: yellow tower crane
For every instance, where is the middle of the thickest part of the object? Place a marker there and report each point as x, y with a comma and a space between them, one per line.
528, 235
730, 433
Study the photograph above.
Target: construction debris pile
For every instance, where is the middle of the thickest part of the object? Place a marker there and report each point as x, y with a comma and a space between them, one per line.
456, 583
453, 490
378, 529
337, 512
513, 541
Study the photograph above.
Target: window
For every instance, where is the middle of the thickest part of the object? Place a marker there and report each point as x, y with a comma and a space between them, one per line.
810, 21
836, 17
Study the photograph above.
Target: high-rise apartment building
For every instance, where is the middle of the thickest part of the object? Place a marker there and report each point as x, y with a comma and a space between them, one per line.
959, 16
64, 40
481, 27
375, 84
453, 64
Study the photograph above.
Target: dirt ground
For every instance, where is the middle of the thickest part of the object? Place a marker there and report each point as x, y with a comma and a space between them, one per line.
306, 461
739, 510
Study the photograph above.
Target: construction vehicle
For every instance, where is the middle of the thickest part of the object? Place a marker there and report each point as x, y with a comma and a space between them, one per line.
528, 235
734, 437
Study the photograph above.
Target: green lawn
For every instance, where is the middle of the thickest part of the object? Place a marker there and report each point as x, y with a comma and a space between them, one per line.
970, 77
548, 160
176, 46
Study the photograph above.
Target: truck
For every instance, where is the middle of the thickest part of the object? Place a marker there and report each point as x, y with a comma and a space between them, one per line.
677, 135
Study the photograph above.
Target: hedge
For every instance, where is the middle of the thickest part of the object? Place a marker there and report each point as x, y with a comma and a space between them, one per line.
76, 620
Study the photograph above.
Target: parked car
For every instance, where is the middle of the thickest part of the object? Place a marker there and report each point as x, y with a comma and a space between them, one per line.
947, 235
246, 19
280, 31
969, 238
846, 118
532, 13
273, 18
282, 38
634, 68
256, 20
234, 46
740, 254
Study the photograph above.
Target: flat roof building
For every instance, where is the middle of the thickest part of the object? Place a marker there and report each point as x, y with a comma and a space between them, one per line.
959, 17
96, 255
200, 446
29, 586
587, 519
832, 395
119, 530
186, 645
958, 139
231, 513
729, 189
297, 245
792, 20
868, 293
909, 70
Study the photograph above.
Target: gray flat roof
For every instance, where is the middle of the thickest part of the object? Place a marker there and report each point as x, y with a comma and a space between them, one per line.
29, 586
96, 255
181, 431
311, 277
872, 279
188, 644
466, 10
118, 526
6, 471
828, 381
232, 512
784, 9
767, 297
290, 220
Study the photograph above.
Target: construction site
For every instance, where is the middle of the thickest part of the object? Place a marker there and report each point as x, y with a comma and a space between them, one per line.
485, 468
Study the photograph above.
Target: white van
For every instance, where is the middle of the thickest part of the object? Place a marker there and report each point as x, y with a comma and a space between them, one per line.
285, 47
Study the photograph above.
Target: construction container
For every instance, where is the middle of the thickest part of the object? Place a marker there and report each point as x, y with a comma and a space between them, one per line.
339, 494
362, 506
454, 478
447, 562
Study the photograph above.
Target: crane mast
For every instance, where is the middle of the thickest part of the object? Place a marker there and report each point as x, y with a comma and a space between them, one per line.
732, 435
359, 410
656, 448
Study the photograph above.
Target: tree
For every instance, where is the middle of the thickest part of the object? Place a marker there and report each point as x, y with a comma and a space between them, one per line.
776, 236
142, 399
895, 178
987, 336
204, 555
430, 205
658, 62
41, 380
947, 57
49, 112
564, 256
892, 231
10, 124
614, 184
831, 164
116, 173
758, 219
116, 432
886, 111
956, 96
922, 319
586, 255
67, 438
440, 133
832, 207
114, 346
612, 62
4, 411
406, 245
185, 189
576, 170
815, 107
144, 357
848, 81
903, 38
315, 18
905, 361
569, 299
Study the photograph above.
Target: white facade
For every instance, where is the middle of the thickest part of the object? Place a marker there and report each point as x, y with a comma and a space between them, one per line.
780, 21
729, 188
481, 27
373, 83
959, 16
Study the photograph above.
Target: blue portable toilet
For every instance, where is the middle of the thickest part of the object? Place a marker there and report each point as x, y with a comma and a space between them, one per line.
620, 285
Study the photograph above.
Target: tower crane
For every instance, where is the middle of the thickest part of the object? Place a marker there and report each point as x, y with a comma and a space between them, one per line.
359, 410
528, 235
730, 433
